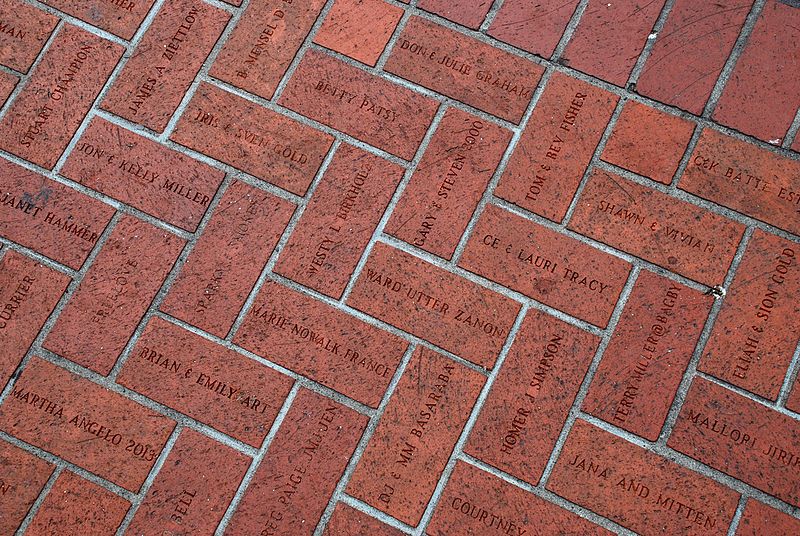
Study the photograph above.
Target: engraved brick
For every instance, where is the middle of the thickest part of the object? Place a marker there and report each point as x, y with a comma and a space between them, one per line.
740, 437
475, 502
85, 424
759, 519
359, 29
339, 220
7, 84
533, 25
262, 46
531, 396
448, 183
469, 13
193, 488
25, 31
691, 50
381, 113
252, 138
305, 461
120, 17
545, 265
316, 340
465, 69
648, 142
166, 61
635, 384
406, 455
216, 386
48, 217
556, 146
460, 316
57, 96
674, 234
637, 488
746, 178
347, 521
221, 270
94, 327
143, 174
22, 477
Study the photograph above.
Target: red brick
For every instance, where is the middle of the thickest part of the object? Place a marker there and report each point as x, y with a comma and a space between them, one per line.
46, 114
120, 17
637, 488
233, 2
691, 50
761, 97
531, 396
475, 502
648, 142
77, 506
443, 308
740, 437
758, 327
407, 454
193, 488
26, 30
252, 138
22, 477
545, 265
793, 402
166, 61
674, 234
469, 13
7, 84
759, 519
533, 25
321, 342
746, 178
104, 311
359, 29
305, 461
143, 174
465, 69
29, 292
48, 217
448, 183
635, 384
557, 144
347, 521
381, 113
225, 263
796, 144
610, 38
262, 46
85, 424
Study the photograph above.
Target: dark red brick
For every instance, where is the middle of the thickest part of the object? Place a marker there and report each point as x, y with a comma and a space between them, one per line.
691, 50
7, 84
475, 502
793, 402
443, 308
25, 31
545, 265
85, 424
674, 234
746, 178
193, 488
252, 138
635, 384
556, 146
347, 521
407, 454
48, 217
321, 342
637, 488
206, 381
225, 263
339, 220
143, 174
533, 25
381, 113
305, 461
464, 68
469, 13
531, 396
57, 96
120, 17
262, 46
448, 183
104, 311
740, 437
233, 2
648, 142
22, 477
759, 519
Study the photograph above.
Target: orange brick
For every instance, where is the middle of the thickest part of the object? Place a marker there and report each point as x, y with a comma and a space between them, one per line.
359, 29
25, 31
22, 478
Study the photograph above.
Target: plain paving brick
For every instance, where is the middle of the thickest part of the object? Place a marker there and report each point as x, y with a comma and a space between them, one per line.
758, 519
347, 521
120, 17
22, 478
469, 13
533, 25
